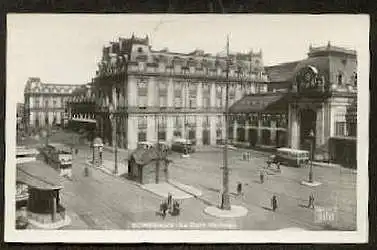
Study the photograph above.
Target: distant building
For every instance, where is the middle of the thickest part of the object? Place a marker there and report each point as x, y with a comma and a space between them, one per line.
45, 102
20, 116
148, 95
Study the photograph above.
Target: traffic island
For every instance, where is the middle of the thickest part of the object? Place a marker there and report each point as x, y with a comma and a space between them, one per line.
311, 184
235, 211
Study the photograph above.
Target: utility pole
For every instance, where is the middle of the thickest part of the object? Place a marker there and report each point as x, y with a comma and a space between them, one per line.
225, 199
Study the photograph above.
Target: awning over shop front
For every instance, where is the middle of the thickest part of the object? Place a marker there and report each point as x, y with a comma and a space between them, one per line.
84, 120
38, 175
261, 102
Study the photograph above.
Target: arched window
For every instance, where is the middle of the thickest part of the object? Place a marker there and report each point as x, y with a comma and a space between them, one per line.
340, 78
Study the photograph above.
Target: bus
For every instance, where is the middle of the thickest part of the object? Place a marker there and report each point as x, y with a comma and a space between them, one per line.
292, 157
59, 156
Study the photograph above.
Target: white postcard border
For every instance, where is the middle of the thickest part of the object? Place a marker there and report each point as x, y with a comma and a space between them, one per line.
201, 236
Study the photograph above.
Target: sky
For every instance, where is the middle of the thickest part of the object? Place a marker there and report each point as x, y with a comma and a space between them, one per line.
65, 48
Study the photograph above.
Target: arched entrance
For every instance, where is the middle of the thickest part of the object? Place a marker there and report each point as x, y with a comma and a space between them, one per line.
253, 137
206, 137
307, 128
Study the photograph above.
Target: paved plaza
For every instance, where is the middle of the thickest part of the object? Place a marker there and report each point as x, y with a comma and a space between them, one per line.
104, 201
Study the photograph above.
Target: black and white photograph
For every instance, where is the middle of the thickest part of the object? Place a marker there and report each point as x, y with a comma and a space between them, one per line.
187, 128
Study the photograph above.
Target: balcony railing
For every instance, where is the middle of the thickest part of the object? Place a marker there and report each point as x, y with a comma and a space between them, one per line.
178, 72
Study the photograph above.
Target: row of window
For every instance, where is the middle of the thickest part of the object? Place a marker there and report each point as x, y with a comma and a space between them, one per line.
178, 122
39, 103
345, 128
191, 100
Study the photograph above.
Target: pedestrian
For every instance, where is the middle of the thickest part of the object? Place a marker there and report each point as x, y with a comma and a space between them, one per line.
76, 151
274, 203
86, 171
261, 177
311, 201
170, 198
164, 208
239, 188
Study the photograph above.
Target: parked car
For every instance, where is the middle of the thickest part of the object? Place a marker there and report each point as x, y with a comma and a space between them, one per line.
183, 146
145, 145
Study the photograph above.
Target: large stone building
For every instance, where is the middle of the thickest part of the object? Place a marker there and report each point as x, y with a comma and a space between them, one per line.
316, 97
45, 102
144, 94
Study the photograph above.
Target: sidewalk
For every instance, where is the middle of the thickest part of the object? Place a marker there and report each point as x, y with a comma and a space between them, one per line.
108, 167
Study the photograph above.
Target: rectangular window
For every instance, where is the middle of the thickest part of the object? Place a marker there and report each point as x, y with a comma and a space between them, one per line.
218, 133
177, 95
36, 102
219, 122
162, 92
142, 92
192, 95
219, 97
142, 123
161, 122
177, 133
177, 122
206, 122
142, 136
340, 128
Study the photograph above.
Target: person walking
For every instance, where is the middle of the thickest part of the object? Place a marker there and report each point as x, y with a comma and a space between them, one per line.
164, 208
311, 201
261, 177
239, 189
274, 203
170, 199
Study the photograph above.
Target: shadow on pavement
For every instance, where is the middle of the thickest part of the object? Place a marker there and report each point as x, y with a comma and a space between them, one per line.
267, 208
303, 205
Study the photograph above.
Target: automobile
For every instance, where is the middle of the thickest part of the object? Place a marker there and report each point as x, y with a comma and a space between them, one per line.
183, 146
145, 145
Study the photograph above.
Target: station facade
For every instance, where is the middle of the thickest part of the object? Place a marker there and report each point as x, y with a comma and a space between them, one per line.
318, 102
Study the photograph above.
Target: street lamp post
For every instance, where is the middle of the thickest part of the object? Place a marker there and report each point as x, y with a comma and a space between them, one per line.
115, 145
225, 199
311, 156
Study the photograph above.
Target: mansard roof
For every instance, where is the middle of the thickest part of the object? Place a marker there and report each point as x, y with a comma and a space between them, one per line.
281, 72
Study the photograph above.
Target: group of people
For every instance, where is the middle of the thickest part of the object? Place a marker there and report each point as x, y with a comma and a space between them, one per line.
170, 205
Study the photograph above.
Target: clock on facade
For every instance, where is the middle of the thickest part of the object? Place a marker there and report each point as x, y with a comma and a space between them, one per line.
307, 78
